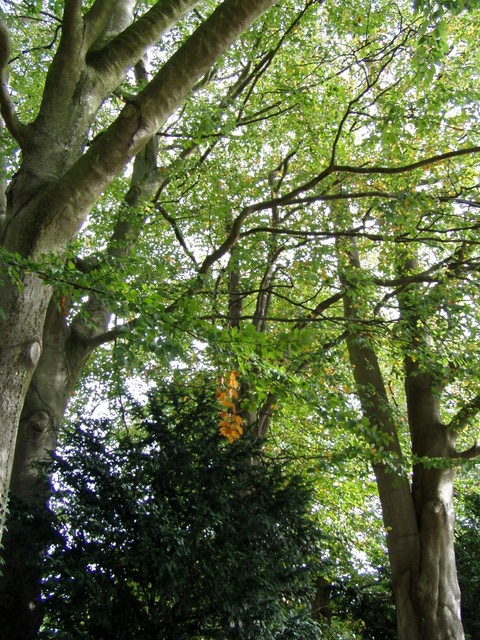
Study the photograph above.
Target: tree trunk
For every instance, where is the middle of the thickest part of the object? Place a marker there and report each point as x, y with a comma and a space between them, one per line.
437, 589
321, 609
419, 522
66, 349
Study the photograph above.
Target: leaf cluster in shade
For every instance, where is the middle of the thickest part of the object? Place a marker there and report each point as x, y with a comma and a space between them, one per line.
172, 533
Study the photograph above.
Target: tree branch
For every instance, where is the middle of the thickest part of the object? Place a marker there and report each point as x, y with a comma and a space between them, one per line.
466, 413
111, 335
3, 179
96, 19
143, 183
228, 243
178, 234
72, 19
130, 45
320, 308
287, 199
66, 203
468, 454
13, 124
441, 157
66, 67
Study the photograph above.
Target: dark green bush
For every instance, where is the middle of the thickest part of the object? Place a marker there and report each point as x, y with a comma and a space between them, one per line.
171, 532
467, 549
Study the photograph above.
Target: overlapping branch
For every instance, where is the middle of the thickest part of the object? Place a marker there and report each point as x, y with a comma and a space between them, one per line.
68, 200
130, 45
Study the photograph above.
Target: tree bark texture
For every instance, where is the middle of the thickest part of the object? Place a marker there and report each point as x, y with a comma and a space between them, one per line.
420, 519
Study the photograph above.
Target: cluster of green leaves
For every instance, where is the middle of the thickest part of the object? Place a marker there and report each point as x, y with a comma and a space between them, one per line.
171, 533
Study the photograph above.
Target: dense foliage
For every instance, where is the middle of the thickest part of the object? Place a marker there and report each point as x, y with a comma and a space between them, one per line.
306, 216
170, 533
467, 548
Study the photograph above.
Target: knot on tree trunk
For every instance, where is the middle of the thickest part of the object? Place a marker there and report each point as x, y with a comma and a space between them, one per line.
39, 421
32, 352
435, 506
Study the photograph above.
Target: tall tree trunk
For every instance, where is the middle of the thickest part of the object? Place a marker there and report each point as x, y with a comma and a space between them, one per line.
419, 522
437, 589
66, 349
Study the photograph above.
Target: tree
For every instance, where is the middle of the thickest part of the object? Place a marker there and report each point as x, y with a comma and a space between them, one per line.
169, 532
431, 266
345, 204
59, 179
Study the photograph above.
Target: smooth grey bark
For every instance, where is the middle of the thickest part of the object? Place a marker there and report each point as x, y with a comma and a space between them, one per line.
394, 490
58, 182
437, 589
419, 520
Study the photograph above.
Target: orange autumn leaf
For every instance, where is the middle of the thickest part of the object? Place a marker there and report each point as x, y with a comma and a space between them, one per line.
230, 424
